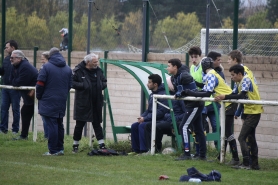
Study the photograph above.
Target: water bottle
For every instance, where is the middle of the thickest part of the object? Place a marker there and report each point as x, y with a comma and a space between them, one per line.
194, 180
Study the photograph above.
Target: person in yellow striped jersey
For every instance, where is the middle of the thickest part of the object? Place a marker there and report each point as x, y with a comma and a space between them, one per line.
246, 88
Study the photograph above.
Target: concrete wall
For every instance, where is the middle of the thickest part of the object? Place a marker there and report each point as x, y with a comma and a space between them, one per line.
124, 93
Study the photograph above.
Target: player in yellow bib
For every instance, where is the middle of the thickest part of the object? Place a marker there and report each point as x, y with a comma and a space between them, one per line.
215, 85
246, 88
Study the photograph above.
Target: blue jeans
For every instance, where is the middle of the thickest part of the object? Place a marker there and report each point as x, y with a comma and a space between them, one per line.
10, 97
55, 134
138, 141
45, 128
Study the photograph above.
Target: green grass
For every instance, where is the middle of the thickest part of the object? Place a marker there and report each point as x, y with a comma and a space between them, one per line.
21, 162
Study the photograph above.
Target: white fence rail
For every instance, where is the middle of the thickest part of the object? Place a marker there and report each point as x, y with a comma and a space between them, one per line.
222, 115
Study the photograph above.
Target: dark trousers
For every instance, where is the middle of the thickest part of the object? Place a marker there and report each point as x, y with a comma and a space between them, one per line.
56, 133
27, 112
10, 97
138, 140
162, 127
248, 130
77, 134
194, 115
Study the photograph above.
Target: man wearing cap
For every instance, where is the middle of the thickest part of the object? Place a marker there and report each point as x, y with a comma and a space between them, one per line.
64, 43
52, 88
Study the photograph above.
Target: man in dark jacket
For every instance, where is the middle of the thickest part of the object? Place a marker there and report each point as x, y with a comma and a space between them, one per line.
138, 128
24, 74
88, 82
182, 80
9, 96
64, 43
52, 88
164, 126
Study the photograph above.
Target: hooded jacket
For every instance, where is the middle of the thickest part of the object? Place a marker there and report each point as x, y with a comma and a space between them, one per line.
84, 109
161, 111
185, 79
53, 94
24, 74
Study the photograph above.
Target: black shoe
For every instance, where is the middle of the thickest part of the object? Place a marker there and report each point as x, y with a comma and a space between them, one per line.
255, 167
20, 138
75, 148
3, 132
183, 157
102, 146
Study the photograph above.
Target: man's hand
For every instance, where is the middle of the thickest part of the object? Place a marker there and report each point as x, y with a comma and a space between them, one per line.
140, 120
219, 98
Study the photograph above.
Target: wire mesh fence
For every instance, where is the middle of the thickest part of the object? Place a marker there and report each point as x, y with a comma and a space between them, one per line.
174, 25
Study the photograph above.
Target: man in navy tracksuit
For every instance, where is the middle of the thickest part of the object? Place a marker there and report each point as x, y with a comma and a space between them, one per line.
52, 88
165, 125
23, 74
138, 128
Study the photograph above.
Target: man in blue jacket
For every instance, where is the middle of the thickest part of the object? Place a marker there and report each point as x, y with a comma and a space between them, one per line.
52, 88
9, 96
23, 74
138, 128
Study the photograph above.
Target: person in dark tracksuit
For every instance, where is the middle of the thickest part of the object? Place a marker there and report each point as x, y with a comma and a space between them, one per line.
24, 74
215, 85
138, 128
165, 126
182, 80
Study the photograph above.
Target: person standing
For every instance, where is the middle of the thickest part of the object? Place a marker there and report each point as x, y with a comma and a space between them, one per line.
182, 80
44, 59
215, 85
24, 74
9, 96
52, 88
64, 43
246, 88
88, 82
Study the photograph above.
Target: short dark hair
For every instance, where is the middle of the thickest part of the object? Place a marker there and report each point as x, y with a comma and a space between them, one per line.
213, 55
12, 43
236, 54
195, 51
237, 69
155, 79
175, 62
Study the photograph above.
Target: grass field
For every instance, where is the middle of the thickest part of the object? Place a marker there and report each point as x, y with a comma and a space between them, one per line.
21, 162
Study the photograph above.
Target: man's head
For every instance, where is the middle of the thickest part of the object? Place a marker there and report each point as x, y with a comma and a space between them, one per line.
45, 57
16, 57
64, 31
53, 51
235, 57
154, 82
173, 66
206, 63
10, 46
237, 72
91, 61
216, 57
195, 55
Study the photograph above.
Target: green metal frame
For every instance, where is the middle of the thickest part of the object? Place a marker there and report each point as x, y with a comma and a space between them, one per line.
141, 65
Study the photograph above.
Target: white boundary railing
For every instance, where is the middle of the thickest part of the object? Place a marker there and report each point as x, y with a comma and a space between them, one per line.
222, 115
